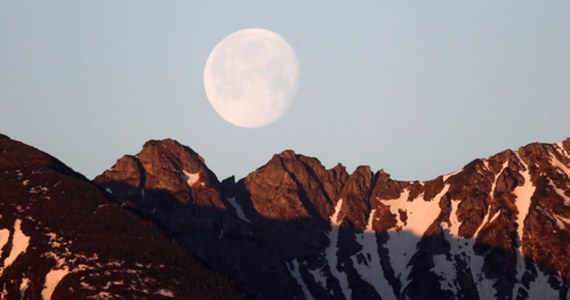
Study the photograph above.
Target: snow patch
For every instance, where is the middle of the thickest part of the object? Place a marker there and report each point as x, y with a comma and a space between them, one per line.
166, 293
486, 165
103, 295
87, 286
403, 240
562, 222
192, 178
564, 169
370, 269
454, 228
446, 176
419, 212
558, 164
331, 251
4, 236
561, 193
20, 243
53, 277
446, 271
564, 152
523, 195
334, 217
539, 288
320, 277
462, 249
239, 210
485, 221
24, 286
295, 272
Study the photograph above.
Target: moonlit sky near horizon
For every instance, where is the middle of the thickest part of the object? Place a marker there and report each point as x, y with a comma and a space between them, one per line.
416, 88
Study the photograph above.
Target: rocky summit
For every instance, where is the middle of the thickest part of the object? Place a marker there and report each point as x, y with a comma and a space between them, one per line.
499, 228
161, 225
63, 237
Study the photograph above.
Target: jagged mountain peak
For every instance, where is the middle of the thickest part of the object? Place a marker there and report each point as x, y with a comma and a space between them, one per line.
163, 166
288, 153
169, 155
170, 147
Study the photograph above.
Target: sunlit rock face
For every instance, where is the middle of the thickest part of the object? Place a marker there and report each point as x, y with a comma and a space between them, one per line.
496, 229
63, 237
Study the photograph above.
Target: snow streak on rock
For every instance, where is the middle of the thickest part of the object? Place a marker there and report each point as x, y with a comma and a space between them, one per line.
555, 161
492, 195
24, 286
331, 252
239, 210
320, 277
296, 273
523, 200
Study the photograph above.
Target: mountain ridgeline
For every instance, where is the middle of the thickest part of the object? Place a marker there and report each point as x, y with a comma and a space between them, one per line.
161, 225
63, 237
497, 229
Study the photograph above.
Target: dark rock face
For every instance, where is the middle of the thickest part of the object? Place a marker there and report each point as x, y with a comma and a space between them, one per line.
497, 229
62, 237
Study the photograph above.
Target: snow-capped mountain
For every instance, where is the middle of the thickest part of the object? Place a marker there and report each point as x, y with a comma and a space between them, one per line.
63, 237
497, 229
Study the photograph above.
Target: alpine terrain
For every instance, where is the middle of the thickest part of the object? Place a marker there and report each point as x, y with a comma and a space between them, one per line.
496, 229
160, 225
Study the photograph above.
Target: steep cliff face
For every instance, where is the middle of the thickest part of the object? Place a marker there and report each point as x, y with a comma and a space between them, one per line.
496, 229
62, 237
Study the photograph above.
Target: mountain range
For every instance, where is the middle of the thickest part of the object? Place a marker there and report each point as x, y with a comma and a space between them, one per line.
160, 224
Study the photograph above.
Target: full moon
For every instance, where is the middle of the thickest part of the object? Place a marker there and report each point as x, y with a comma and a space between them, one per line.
251, 77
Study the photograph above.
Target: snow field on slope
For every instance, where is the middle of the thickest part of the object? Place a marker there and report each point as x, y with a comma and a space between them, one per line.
20, 243
370, 270
523, 199
402, 242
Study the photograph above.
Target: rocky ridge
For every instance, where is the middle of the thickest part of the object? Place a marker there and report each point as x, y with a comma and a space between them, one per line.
496, 229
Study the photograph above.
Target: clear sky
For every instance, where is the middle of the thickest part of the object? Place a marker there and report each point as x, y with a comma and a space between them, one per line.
418, 88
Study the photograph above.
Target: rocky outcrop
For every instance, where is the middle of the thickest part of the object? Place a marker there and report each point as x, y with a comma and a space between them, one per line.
62, 237
496, 229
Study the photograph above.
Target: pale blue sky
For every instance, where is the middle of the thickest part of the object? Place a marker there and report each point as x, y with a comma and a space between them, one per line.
418, 88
